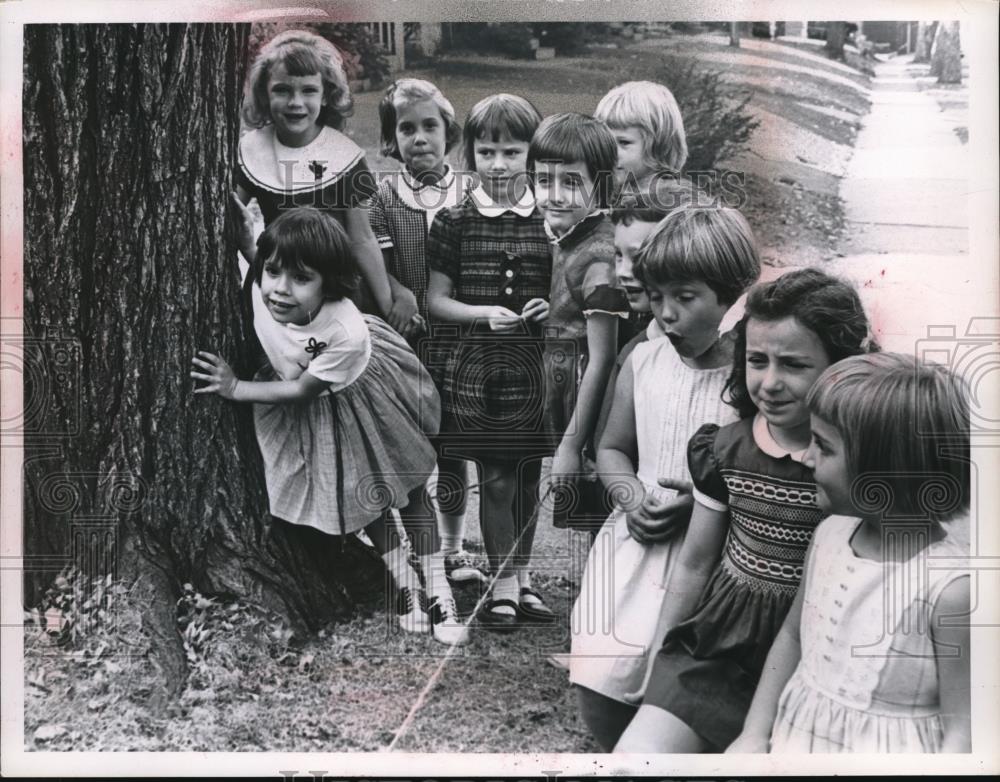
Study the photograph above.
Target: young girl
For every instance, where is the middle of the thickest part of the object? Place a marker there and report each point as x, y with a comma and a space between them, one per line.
695, 263
490, 274
864, 662
343, 410
418, 128
573, 156
649, 130
755, 512
296, 102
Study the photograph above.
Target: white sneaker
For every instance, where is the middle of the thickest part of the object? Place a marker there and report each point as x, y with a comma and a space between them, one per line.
446, 627
410, 612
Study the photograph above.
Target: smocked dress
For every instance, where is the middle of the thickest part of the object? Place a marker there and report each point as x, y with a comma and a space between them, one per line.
492, 383
867, 680
624, 582
338, 461
709, 665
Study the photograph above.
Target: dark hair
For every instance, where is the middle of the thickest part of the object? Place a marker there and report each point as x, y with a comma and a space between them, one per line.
407, 91
905, 428
309, 238
649, 204
828, 307
499, 115
572, 137
712, 244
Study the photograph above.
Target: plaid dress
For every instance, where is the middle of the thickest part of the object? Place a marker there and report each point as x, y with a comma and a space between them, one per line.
400, 216
493, 387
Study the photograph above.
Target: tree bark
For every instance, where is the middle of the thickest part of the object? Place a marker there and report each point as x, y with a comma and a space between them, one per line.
130, 135
946, 60
925, 39
734, 34
836, 34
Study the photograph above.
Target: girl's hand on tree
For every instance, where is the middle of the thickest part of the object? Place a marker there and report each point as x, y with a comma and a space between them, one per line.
244, 228
501, 318
536, 310
657, 521
217, 375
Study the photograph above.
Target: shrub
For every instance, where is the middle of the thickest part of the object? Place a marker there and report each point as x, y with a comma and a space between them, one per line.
363, 56
716, 119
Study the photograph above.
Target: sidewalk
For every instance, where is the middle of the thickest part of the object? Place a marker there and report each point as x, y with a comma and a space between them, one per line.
905, 193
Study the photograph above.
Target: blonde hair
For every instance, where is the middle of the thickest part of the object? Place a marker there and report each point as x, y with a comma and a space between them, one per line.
652, 109
905, 427
404, 92
303, 54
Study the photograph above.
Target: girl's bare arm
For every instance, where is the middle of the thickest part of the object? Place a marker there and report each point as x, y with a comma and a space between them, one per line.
618, 450
950, 630
220, 379
369, 257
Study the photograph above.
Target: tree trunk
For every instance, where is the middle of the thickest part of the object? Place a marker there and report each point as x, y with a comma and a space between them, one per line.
130, 134
836, 34
925, 39
734, 34
946, 60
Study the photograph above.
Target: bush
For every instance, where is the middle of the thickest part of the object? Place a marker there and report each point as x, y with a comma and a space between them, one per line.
362, 53
716, 119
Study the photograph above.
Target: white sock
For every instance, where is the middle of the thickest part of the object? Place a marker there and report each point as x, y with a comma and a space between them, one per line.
505, 588
397, 563
450, 529
433, 567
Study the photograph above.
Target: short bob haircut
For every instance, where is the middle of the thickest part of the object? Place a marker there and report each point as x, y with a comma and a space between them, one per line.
652, 109
303, 54
827, 306
309, 238
905, 427
714, 245
404, 92
577, 138
656, 200
496, 116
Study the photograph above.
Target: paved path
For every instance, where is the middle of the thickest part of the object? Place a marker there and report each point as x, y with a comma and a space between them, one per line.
906, 195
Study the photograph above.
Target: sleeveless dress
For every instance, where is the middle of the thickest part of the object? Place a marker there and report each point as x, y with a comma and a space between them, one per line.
340, 460
867, 679
709, 666
624, 582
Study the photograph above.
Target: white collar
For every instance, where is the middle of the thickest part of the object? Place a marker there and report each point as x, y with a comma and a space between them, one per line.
487, 207
429, 198
269, 165
766, 442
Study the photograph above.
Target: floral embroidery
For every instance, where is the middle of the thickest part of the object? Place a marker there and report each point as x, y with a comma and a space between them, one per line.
314, 348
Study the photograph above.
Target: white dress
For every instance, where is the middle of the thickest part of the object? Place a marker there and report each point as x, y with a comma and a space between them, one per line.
624, 582
867, 680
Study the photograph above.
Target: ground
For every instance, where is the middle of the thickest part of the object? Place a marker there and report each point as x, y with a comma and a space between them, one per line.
351, 688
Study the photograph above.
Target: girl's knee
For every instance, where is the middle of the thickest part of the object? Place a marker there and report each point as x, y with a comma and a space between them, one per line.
604, 717
657, 730
498, 486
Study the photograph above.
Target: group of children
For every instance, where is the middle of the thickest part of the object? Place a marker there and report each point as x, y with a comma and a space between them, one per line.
566, 302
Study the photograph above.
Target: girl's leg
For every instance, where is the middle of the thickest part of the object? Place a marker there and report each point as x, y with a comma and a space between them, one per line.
605, 717
496, 519
451, 495
386, 539
525, 512
657, 730
421, 527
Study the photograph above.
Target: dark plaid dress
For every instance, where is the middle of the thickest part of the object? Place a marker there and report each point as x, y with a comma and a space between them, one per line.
492, 382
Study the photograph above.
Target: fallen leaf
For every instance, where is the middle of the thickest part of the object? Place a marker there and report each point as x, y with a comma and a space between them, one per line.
49, 732
305, 662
